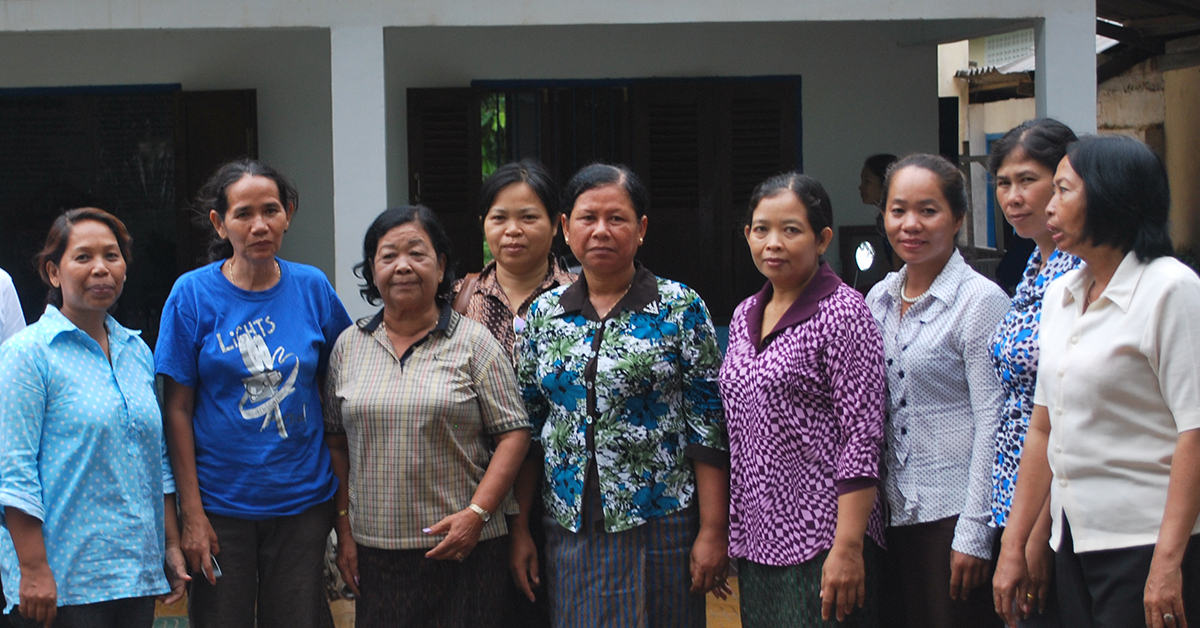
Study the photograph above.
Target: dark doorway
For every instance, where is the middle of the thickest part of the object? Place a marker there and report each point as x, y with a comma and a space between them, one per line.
699, 145
138, 152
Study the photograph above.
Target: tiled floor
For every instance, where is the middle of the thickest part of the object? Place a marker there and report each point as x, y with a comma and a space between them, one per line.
721, 613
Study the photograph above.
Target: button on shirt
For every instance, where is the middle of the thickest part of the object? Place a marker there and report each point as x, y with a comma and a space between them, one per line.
634, 394
943, 401
82, 449
1121, 381
419, 425
805, 413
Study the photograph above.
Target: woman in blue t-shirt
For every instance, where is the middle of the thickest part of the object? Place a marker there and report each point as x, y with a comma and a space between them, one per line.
243, 344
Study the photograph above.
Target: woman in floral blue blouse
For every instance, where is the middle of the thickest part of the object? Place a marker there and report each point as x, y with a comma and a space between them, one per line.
619, 372
1023, 163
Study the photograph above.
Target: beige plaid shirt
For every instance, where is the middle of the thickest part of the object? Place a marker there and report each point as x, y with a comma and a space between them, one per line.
419, 425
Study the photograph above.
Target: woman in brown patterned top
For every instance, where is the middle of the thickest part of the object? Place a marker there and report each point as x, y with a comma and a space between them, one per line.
518, 207
519, 211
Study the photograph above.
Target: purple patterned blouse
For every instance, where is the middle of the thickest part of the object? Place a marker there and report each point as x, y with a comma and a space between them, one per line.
805, 413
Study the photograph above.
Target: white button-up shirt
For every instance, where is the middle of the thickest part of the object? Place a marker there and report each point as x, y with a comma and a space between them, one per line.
1120, 382
944, 401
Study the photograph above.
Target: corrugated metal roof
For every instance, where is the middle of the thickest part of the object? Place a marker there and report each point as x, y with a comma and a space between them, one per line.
1024, 64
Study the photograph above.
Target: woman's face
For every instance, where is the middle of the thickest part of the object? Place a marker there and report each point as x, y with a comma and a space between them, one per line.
518, 229
91, 272
255, 220
918, 219
604, 231
1066, 215
870, 188
407, 268
783, 244
1023, 189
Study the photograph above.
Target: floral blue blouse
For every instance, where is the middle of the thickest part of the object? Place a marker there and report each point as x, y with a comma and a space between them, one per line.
1015, 356
624, 400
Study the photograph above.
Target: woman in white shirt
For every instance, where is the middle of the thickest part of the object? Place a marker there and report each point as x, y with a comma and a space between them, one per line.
1114, 438
943, 403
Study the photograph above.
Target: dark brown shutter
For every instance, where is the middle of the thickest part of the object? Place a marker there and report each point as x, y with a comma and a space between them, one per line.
445, 165
702, 148
212, 128
762, 138
673, 153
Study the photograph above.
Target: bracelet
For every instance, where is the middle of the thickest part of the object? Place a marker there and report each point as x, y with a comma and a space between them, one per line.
343, 513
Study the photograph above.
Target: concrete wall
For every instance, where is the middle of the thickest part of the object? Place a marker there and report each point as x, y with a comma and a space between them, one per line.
123, 14
1134, 104
862, 93
289, 68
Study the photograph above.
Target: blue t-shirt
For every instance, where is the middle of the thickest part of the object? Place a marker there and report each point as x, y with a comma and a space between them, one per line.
254, 359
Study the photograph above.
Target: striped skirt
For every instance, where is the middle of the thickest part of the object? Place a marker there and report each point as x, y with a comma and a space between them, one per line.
638, 578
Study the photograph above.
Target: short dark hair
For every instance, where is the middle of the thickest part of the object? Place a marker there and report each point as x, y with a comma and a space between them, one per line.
949, 177
810, 192
390, 219
213, 196
878, 164
1043, 140
60, 233
598, 175
528, 171
1128, 197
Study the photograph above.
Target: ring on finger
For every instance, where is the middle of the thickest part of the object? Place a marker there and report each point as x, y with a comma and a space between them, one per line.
459, 557
1168, 618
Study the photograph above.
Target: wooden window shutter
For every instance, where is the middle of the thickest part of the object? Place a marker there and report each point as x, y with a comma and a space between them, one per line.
212, 127
762, 141
445, 165
702, 148
674, 154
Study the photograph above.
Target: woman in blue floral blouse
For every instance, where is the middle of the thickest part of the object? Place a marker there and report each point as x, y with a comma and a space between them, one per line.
619, 372
1023, 164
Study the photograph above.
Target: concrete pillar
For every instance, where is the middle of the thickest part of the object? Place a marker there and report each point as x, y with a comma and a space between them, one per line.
359, 149
1182, 130
1065, 81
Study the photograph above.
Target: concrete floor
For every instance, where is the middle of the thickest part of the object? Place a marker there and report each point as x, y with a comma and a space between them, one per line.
721, 613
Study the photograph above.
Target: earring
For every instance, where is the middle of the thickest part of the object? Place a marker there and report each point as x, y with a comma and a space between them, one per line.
640, 240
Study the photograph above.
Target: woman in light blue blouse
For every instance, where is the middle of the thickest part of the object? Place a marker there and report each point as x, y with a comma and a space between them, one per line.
88, 496
1023, 163
936, 315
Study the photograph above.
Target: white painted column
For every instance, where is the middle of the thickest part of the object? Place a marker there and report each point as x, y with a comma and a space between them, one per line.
1065, 81
359, 150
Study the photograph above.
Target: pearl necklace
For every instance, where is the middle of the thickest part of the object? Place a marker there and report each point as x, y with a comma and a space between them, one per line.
907, 299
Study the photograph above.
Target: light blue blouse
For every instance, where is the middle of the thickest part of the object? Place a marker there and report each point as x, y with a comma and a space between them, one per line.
82, 449
943, 401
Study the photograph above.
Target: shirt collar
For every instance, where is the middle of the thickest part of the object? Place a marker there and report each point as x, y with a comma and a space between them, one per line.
556, 276
823, 283
945, 285
57, 323
643, 291
446, 324
1120, 288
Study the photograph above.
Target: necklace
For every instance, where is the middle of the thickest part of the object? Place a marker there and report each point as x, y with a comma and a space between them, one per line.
229, 272
907, 299
610, 309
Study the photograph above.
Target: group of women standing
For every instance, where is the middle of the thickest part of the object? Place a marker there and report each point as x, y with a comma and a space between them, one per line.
578, 443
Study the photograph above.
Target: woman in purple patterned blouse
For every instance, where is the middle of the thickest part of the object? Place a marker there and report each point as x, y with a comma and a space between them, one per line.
803, 388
